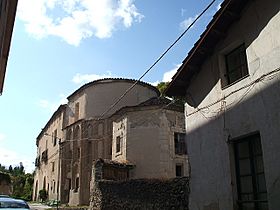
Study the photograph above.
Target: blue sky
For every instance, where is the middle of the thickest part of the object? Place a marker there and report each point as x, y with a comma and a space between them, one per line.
58, 45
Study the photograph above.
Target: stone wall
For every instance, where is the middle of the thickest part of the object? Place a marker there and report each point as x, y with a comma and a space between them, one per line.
140, 194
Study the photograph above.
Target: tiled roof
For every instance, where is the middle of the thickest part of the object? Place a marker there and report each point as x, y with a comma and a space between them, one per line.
216, 30
159, 102
107, 80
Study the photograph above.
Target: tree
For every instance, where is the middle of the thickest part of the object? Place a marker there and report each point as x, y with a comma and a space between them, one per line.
22, 183
162, 87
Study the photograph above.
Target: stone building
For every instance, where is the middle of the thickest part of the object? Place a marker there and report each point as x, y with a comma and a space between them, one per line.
151, 136
230, 80
7, 18
81, 131
48, 156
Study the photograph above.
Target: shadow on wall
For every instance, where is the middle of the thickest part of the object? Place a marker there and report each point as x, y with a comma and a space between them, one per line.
211, 154
207, 84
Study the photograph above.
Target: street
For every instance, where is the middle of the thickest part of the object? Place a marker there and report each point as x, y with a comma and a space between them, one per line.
38, 206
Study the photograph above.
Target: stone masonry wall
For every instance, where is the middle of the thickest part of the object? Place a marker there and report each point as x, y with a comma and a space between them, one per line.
140, 194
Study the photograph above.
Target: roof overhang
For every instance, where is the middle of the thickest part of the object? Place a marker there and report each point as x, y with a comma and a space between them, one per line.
216, 30
7, 19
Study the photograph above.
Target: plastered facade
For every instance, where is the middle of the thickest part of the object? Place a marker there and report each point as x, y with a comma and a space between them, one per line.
217, 114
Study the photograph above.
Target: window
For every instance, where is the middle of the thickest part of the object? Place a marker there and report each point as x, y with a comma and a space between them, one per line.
250, 176
118, 144
179, 170
77, 184
78, 153
53, 166
236, 64
77, 110
54, 137
54, 187
180, 144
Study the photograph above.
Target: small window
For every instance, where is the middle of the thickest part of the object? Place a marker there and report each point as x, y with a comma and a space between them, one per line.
54, 137
251, 185
179, 170
53, 187
118, 144
77, 111
53, 164
77, 184
236, 64
180, 144
78, 153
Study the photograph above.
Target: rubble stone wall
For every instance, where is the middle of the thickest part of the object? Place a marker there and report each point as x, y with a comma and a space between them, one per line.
140, 194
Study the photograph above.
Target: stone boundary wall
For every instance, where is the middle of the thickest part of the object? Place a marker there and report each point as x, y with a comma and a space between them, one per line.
140, 194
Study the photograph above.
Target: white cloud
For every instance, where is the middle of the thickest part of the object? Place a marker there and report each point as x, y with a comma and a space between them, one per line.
52, 106
84, 78
74, 20
9, 157
2, 137
187, 22
167, 76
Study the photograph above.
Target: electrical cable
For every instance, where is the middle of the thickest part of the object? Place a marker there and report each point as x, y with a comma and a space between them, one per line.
159, 58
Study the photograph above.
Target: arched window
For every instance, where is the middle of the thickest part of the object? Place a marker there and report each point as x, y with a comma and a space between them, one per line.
69, 134
77, 133
89, 131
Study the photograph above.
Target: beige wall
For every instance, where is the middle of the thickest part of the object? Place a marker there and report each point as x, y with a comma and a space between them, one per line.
46, 142
102, 95
148, 142
240, 111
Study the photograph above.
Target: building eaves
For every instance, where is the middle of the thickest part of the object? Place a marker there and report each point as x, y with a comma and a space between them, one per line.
111, 80
60, 109
216, 30
7, 18
152, 103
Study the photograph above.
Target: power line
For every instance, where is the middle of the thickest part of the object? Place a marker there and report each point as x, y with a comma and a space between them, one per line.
159, 58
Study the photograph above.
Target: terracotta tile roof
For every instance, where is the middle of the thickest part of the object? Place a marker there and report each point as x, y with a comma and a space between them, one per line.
109, 80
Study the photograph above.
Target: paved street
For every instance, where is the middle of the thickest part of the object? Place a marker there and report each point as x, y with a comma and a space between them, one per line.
38, 206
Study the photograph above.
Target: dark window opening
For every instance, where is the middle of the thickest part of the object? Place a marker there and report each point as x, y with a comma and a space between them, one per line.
236, 64
77, 184
251, 185
180, 144
78, 153
54, 137
179, 170
118, 144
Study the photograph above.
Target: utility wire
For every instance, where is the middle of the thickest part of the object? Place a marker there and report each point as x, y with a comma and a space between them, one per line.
160, 57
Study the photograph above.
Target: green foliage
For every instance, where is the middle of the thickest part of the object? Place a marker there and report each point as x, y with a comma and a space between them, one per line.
162, 86
22, 182
43, 194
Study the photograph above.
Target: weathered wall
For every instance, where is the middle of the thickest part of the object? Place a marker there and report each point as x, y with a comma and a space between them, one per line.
45, 169
251, 109
104, 94
148, 142
140, 194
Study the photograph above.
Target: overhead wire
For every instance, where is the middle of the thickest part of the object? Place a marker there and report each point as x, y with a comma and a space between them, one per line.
157, 60
267, 76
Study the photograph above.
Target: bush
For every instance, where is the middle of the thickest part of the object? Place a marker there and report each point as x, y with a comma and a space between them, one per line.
43, 195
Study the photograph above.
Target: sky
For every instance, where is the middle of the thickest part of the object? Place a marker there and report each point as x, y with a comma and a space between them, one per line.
59, 45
